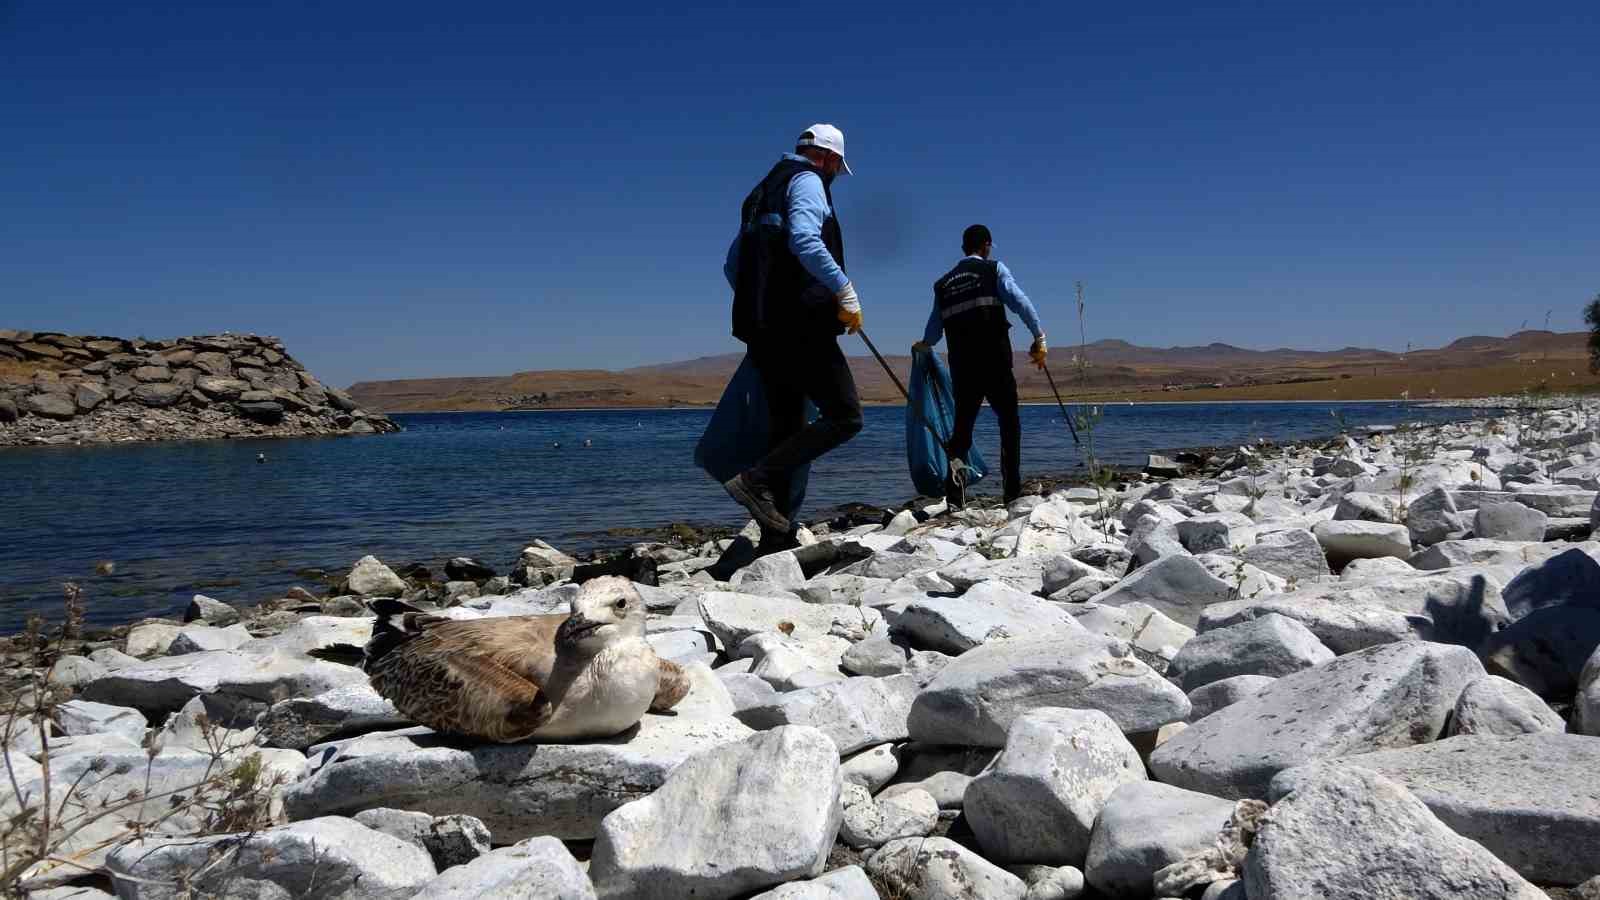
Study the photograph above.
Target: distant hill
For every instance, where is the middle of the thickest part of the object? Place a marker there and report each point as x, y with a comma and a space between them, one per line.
1117, 370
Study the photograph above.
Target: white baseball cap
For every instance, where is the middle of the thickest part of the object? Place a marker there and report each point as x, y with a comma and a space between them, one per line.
827, 137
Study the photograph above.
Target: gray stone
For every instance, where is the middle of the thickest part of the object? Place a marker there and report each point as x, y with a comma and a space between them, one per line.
1053, 882
734, 617
212, 612
518, 790
1498, 706
746, 690
151, 639
449, 840
1387, 696
1509, 522
876, 656
81, 717
1571, 578
871, 768
203, 637
1208, 698
160, 396
540, 868
1271, 645
1146, 826
74, 671
371, 578
872, 823
1350, 834
1544, 651
974, 700
246, 679
1382, 567
87, 396
1359, 506
989, 611
1155, 639
1586, 705
320, 858
1031, 574
709, 830
941, 869
52, 405
848, 883
1530, 799
1291, 553
1458, 606
221, 388
1037, 802
1433, 517
1354, 539
780, 569
299, 722
855, 713
1202, 534
1178, 586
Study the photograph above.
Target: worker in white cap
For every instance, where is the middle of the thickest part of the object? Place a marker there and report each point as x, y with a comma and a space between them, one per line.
791, 301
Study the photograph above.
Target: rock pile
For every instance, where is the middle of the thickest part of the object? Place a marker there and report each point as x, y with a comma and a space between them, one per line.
1307, 676
96, 389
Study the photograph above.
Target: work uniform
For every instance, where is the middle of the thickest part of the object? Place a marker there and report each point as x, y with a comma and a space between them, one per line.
786, 268
969, 304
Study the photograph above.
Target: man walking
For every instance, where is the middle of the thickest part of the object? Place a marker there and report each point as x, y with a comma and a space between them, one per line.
791, 301
969, 304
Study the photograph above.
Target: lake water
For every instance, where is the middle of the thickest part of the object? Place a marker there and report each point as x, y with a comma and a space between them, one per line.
204, 516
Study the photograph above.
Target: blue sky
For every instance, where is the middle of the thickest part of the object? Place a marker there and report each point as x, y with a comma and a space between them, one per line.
403, 189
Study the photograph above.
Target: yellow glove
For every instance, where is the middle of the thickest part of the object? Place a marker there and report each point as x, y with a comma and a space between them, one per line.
850, 309
1037, 351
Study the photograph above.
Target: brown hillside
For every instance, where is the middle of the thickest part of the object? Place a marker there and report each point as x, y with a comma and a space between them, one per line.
1468, 367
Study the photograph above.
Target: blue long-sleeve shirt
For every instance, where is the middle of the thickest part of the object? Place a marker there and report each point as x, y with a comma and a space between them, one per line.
1010, 294
807, 209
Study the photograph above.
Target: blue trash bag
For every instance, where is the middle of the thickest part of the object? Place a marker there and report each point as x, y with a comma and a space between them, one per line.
736, 437
930, 421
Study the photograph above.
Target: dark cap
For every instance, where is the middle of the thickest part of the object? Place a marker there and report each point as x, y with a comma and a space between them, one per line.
975, 237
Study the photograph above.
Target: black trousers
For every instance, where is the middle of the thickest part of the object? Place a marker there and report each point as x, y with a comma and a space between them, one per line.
793, 370
984, 373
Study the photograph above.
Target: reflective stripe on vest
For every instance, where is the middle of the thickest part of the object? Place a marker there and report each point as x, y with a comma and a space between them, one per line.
949, 312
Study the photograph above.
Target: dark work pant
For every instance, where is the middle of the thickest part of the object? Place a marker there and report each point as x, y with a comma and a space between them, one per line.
979, 374
794, 369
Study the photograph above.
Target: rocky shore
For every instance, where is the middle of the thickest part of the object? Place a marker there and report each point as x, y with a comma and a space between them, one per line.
88, 389
1363, 668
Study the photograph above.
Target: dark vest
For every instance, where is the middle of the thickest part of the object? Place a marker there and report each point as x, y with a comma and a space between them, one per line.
970, 308
773, 293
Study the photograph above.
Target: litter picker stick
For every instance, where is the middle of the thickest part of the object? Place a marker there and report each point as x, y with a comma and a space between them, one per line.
1063, 406
882, 362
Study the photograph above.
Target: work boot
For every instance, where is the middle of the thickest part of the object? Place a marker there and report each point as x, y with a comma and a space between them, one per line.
757, 498
955, 485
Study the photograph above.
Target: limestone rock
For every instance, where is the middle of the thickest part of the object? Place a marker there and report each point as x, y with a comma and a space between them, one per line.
733, 617
1290, 553
1586, 706
1353, 539
855, 713
1037, 802
1208, 698
1178, 586
1433, 517
1531, 799
1498, 706
540, 868
321, 858
848, 883
941, 869
1388, 696
1571, 578
872, 823
710, 829
1271, 645
151, 639
989, 611
871, 768
974, 700
449, 840
1509, 522
200, 638
299, 722
371, 578
212, 612
1146, 826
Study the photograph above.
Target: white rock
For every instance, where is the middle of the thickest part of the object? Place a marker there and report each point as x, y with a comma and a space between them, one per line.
1155, 639
518, 790
871, 768
1355, 835
875, 656
855, 713
974, 700
538, 868
302, 721
1271, 645
1038, 800
1352, 539
80, 717
941, 869
1499, 706
781, 569
199, 638
73, 671
1290, 553
1365, 569
371, 578
1509, 522
734, 617
1146, 826
449, 840
1586, 706
1386, 696
212, 612
246, 677
321, 858
151, 639
1208, 698
848, 883
1520, 796
710, 829
872, 823
989, 611
1433, 517
1179, 586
